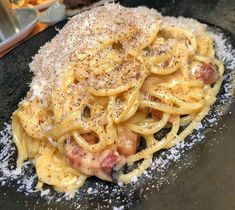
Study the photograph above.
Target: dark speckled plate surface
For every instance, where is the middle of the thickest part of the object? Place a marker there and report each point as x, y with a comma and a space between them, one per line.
202, 178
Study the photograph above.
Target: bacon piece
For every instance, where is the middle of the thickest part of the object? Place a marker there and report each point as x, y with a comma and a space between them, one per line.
208, 74
94, 164
165, 64
81, 160
108, 162
91, 138
156, 114
128, 141
112, 160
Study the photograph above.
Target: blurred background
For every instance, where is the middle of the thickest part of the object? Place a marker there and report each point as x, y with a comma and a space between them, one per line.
21, 19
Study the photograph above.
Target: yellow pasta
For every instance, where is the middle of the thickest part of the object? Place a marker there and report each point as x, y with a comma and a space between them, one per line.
127, 73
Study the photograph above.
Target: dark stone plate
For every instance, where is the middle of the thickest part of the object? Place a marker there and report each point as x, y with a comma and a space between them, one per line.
202, 178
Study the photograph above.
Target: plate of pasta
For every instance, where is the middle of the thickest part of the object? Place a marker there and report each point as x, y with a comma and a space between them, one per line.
118, 102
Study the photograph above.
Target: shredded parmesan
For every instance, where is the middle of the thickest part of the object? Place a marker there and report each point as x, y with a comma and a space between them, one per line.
83, 32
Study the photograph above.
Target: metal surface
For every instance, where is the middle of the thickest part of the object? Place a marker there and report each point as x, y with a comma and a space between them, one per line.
8, 21
27, 19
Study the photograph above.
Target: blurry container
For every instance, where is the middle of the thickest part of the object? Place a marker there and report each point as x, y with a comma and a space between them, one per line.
8, 21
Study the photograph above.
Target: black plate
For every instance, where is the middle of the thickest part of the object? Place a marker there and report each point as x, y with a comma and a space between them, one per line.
203, 176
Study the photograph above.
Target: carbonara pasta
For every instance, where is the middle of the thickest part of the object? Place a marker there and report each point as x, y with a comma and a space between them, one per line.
111, 76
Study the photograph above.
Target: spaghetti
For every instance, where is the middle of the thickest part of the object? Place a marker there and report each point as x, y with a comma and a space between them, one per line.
111, 76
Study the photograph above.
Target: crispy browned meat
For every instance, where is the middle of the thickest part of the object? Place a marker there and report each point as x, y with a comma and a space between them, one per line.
208, 74
128, 142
